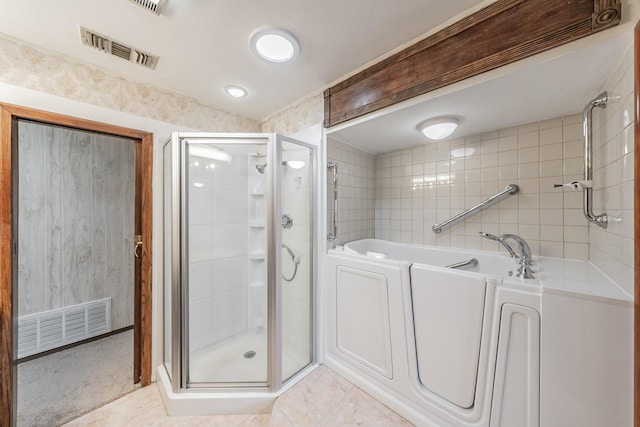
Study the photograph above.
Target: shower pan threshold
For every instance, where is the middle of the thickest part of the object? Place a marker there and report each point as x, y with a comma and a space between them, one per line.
221, 403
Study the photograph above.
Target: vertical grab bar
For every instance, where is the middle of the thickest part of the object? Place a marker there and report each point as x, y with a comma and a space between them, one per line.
333, 166
602, 219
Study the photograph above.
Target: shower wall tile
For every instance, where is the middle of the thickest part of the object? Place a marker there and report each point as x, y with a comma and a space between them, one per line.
76, 217
418, 187
229, 275
201, 274
296, 294
355, 190
218, 248
612, 250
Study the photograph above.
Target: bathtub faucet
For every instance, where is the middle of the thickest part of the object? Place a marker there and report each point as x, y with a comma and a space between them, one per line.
524, 270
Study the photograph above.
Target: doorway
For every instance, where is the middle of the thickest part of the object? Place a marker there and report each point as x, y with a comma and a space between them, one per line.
87, 313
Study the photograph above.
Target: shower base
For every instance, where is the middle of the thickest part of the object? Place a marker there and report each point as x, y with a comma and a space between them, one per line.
225, 362
234, 363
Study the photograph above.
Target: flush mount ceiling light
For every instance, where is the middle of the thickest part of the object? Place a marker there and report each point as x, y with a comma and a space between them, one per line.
209, 152
439, 128
275, 45
235, 91
294, 164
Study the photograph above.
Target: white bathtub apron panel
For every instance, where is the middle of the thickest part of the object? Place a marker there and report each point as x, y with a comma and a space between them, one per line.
447, 310
363, 331
516, 388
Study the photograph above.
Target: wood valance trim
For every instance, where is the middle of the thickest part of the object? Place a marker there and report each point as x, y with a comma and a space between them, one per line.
501, 33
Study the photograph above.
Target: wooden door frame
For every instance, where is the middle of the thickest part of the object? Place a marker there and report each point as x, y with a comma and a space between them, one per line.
636, 232
143, 300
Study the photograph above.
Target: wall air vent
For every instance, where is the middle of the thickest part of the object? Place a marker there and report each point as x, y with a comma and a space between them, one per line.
107, 45
152, 6
50, 329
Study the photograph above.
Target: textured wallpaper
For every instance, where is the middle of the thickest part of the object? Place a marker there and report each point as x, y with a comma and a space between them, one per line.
29, 67
301, 115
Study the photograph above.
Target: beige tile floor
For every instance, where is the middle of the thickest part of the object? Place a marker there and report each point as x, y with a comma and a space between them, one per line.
322, 399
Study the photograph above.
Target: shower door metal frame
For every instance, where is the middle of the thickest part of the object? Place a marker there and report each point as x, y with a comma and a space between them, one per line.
275, 316
179, 255
315, 239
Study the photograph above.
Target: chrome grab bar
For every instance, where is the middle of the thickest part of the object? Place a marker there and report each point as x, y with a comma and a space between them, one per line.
472, 262
508, 190
333, 166
587, 202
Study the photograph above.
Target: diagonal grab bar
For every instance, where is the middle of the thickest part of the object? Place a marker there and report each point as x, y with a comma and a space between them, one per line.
508, 190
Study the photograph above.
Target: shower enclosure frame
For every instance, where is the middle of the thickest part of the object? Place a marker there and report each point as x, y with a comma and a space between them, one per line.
179, 269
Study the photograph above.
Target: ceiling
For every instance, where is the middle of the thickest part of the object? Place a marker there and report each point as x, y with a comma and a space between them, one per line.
203, 45
560, 83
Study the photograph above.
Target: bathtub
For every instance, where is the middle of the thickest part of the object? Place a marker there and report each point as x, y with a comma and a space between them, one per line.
462, 347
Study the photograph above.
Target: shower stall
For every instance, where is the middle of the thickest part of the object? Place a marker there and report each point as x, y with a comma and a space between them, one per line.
238, 263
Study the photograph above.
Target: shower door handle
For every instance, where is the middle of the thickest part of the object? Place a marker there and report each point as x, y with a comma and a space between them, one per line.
137, 243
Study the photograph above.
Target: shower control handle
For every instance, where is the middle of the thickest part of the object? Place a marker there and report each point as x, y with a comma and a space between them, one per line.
287, 221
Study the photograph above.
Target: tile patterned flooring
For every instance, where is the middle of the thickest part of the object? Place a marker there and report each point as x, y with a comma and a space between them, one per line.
321, 399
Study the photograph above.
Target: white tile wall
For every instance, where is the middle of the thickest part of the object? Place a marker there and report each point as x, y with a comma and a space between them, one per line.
418, 187
218, 246
355, 192
612, 250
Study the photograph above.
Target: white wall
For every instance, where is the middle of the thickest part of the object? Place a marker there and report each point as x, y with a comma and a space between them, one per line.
612, 250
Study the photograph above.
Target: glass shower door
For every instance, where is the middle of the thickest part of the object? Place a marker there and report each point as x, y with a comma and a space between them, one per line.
296, 255
226, 260
239, 232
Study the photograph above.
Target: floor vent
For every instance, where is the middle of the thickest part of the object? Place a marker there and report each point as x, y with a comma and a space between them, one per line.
54, 328
107, 45
152, 6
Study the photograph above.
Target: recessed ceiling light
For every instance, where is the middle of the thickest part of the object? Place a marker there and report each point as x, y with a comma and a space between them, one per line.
235, 91
275, 45
439, 128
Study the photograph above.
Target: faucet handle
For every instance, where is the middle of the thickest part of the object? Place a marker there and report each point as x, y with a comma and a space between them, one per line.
576, 185
525, 271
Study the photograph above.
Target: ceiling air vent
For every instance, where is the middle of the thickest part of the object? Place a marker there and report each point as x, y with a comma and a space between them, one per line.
152, 6
105, 44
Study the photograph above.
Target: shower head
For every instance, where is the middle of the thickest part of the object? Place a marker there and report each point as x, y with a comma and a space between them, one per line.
260, 168
294, 257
